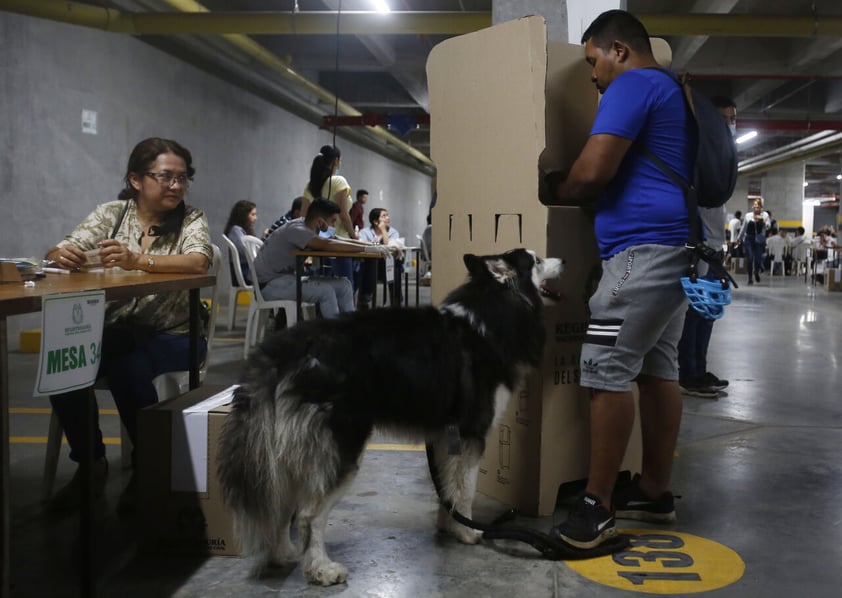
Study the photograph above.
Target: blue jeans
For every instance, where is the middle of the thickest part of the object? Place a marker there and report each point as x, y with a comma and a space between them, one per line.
693, 346
754, 253
129, 363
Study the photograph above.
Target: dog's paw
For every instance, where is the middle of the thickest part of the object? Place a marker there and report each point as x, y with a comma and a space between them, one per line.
464, 534
326, 573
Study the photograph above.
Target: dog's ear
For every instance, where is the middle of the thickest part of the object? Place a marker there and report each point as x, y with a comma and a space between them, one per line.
472, 263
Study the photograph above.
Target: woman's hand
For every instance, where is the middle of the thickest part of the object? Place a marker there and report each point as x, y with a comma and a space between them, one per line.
67, 256
114, 254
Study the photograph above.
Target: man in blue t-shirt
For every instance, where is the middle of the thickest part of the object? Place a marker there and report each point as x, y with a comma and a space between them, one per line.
638, 309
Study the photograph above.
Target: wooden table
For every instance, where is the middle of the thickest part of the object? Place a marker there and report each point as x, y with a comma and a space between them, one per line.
15, 299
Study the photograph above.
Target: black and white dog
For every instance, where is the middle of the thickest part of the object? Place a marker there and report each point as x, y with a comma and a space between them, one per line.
311, 396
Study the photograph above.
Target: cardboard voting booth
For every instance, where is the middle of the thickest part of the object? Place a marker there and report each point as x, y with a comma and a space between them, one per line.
502, 102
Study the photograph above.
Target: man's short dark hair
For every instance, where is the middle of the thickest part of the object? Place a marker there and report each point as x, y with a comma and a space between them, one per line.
618, 25
737, 214
296, 204
321, 208
361, 192
723, 102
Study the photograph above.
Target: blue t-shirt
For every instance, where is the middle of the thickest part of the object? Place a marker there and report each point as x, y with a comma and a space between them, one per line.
641, 205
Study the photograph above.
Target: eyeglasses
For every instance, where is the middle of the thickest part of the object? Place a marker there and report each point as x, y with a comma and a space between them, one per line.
166, 179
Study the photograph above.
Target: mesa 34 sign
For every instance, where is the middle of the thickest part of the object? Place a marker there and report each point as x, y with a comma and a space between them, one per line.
71, 339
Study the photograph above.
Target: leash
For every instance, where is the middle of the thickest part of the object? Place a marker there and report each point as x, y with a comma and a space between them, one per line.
550, 548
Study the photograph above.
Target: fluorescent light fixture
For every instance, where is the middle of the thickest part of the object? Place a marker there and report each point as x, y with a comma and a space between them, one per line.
839, 177
806, 183
381, 6
746, 137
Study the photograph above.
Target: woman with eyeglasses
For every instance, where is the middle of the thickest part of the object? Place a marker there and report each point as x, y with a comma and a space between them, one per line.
148, 228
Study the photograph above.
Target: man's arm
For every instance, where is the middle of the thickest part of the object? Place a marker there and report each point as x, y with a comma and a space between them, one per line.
593, 169
340, 245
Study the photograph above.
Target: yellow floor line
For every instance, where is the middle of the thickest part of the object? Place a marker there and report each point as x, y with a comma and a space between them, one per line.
47, 411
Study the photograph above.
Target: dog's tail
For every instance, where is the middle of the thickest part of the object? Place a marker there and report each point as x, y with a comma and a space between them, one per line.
248, 467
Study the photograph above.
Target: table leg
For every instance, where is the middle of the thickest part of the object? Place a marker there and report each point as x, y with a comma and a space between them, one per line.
86, 513
417, 276
299, 272
4, 463
194, 338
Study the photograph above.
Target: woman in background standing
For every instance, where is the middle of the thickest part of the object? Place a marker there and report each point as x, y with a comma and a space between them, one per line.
325, 183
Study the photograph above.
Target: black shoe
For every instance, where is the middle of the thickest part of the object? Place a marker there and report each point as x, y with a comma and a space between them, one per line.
69, 498
757, 276
588, 524
631, 503
698, 387
713, 382
750, 281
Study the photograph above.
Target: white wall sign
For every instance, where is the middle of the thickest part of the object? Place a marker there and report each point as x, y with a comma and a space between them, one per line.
89, 122
71, 339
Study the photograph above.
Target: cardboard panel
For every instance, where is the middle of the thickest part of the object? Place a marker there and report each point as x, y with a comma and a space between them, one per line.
488, 183
487, 131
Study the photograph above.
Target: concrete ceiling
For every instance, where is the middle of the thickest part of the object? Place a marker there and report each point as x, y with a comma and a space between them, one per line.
787, 88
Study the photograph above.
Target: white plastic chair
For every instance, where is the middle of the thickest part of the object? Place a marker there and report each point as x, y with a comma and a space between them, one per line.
238, 285
259, 307
800, 260
167, 385
777, 254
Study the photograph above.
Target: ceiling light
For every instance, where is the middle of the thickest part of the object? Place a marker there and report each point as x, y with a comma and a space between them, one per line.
746, 137
381, 6
806, 183
839, 177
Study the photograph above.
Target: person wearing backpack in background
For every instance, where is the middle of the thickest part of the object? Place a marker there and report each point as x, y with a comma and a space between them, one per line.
641, 225
693, 377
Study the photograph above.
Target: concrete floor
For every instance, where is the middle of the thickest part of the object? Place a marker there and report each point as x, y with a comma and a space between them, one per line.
758, 470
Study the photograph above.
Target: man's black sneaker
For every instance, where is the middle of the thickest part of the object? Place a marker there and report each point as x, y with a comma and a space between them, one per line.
757, 276
696, 387
631, 503
588, 524
713, 382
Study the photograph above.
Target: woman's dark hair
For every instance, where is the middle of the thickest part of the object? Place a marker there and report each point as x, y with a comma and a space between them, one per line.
618, 25
141, 158
240, 216
320, 170
374, 215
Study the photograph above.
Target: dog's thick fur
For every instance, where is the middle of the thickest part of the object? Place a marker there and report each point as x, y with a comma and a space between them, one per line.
311, 396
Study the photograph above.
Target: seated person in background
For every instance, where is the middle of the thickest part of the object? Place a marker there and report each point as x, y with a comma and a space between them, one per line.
777, 246
275, 263
294, 212
800, 239
240, 223
149, 228
358, 210
379, 232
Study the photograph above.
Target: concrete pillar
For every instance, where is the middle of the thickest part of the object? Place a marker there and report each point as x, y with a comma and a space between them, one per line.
739, 199
783, 193
566, 19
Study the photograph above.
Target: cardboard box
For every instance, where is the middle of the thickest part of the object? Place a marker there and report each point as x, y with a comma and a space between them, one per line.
505, 105
180, 495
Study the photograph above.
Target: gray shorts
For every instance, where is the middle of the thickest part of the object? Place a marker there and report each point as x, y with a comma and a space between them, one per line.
637, 315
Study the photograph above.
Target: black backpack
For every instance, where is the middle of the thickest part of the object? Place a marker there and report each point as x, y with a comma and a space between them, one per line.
714, 175
715, 171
